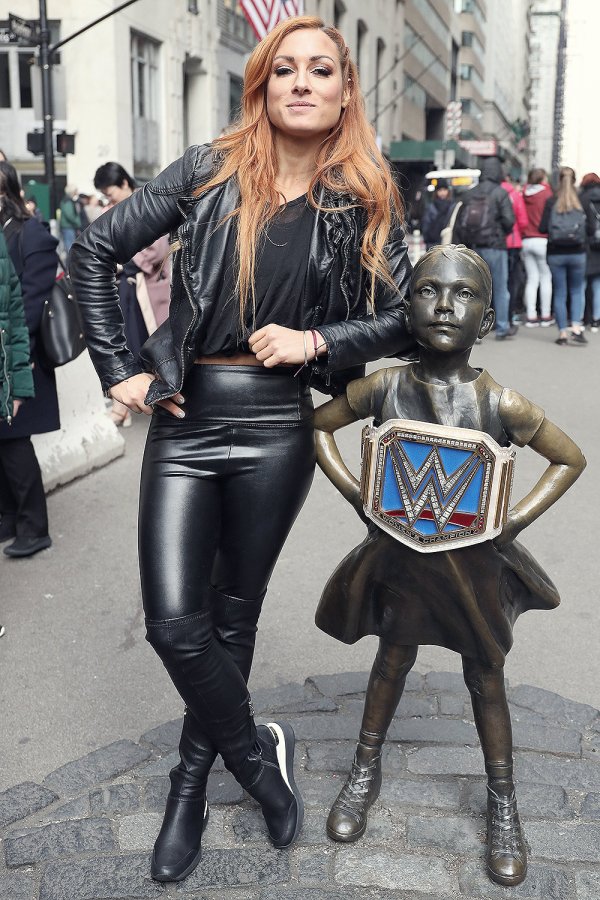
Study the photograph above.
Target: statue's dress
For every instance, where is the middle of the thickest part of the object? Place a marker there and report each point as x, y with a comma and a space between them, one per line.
466, 599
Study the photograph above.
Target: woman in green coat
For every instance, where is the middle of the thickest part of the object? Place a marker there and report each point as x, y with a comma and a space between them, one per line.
16, 377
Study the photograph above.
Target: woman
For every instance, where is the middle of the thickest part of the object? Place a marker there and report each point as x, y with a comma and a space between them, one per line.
535, 194
590, 200
143, 281
291, 269
33, 253
564, 221
16, 381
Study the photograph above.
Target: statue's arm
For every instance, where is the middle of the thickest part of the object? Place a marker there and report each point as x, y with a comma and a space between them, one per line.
328, 418
567, 462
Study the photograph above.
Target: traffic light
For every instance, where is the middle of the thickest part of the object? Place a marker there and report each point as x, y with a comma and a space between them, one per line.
35, 142
65, 143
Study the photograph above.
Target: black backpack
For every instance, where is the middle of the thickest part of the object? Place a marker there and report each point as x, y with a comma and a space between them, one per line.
477, 226
567, 229
595, 237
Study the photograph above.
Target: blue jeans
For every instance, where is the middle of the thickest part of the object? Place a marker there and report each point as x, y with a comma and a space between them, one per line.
497, 261
568, 271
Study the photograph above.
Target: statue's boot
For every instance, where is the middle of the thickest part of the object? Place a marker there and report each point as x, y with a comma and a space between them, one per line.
178, 847
506, 854
347, 820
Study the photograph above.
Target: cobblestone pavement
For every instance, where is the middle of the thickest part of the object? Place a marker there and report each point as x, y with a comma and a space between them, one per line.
86, 832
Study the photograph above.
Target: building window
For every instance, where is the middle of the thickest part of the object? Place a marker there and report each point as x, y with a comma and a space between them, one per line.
470, 73
144, 77
234, 23
470, 108
15, 79
145, 103
471, 7
236, 88
470, 39
361, 31
25, 94
339, 10
4, 81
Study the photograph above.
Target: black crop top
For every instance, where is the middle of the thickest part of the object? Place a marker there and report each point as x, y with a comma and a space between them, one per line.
280, 278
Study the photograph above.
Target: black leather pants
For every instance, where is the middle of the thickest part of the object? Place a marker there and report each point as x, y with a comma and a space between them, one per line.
220, 491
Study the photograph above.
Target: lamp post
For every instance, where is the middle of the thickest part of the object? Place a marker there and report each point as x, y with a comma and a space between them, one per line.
46, 53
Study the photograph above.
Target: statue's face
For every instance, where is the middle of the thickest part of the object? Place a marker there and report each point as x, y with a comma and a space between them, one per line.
448, 307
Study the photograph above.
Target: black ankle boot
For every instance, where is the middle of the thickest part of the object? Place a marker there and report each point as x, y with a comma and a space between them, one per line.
268, 776
347, 820
506, 854
178, 847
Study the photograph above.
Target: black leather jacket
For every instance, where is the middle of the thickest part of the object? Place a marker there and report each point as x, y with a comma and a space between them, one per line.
336, 290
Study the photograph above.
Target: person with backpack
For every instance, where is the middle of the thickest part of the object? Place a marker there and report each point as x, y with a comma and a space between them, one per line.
590, 200
535, 244
437, 214
483, 223
565, 223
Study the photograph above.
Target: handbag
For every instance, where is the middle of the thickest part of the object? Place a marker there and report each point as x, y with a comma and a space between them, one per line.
61, 337
446, 232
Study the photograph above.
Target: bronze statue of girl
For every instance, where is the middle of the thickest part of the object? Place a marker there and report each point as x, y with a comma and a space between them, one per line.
464, 598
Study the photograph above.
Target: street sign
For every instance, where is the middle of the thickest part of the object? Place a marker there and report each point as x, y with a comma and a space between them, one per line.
481, 148
24, 31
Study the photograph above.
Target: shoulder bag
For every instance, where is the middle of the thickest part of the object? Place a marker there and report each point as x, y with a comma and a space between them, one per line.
61, 337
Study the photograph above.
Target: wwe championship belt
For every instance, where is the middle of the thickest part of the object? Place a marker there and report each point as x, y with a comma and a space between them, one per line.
435, 487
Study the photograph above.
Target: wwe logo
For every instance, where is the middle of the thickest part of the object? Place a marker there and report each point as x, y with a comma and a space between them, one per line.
429, 485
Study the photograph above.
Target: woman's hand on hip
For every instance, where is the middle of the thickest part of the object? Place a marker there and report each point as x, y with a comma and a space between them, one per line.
275, 345
132, 392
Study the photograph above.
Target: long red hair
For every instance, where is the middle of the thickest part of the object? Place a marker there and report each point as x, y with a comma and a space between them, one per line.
349, 162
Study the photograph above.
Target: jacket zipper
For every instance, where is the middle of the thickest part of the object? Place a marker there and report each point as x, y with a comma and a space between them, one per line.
185, 263
6, 377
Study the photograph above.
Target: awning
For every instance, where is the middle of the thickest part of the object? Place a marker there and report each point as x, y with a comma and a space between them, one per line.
425, 151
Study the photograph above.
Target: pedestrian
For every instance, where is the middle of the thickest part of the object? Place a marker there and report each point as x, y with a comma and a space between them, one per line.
16, 385
483, 223
31, 204
32, 250
290, 271
535, 244
70, 218
565, 223
437, 214
465, 598
514, 244
143, 282
590, 201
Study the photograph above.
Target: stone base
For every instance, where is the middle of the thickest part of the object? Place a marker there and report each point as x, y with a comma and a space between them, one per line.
88, 439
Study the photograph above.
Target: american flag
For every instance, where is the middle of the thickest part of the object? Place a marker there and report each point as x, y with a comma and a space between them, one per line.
263, 15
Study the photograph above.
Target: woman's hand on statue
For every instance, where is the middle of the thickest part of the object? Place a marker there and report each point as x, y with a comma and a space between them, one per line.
132, 392
275, 345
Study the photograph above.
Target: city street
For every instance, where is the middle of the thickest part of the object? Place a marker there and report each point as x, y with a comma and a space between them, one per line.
76, 673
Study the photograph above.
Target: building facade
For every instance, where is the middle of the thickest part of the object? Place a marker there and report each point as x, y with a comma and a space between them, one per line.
545, 19
162, 74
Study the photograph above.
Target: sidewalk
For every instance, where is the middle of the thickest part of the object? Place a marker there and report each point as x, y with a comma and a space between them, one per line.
86, 832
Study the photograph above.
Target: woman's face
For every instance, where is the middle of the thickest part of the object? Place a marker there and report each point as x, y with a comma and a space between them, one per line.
114, 193
448, 305
305, 91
